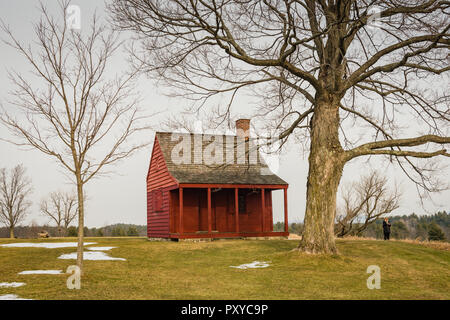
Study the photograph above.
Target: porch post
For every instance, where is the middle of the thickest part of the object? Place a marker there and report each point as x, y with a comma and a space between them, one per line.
263, 208
180, 229
236, 208
209, 211
286, 223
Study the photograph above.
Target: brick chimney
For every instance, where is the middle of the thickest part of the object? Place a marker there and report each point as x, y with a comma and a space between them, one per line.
243, 128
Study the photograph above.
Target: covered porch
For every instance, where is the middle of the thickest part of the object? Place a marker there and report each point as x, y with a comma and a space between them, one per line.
224, 211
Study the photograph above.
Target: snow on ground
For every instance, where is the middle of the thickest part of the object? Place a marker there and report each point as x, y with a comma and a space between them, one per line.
42, 272
12, 297
90, 255
100, 248
254, 264
11, 284
50, 245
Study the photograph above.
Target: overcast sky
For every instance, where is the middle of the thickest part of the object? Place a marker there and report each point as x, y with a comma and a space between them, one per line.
121, 197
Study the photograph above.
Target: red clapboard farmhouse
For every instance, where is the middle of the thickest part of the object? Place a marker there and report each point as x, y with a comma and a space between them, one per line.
210, 186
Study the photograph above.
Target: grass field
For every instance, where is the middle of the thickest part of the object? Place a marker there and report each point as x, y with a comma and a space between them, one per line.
187, 270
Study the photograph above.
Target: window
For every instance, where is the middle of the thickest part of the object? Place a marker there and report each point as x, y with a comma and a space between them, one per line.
242, 201
157, 200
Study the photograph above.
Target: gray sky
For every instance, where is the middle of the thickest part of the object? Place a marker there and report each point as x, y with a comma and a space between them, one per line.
122, 197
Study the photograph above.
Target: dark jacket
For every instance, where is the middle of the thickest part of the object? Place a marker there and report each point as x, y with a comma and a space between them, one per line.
386, 227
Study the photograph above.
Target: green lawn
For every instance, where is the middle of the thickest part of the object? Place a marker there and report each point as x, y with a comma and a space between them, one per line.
187, 270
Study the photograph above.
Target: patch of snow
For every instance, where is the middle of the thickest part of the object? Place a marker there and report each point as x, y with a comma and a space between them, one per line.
11, 284
100, 248
42, 272
12, 297
254, 264
49, 245
90, 255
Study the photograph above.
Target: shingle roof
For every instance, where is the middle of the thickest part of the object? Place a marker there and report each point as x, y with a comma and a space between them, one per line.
191, 168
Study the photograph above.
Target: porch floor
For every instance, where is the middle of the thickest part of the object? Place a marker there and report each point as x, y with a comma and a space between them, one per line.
224, 235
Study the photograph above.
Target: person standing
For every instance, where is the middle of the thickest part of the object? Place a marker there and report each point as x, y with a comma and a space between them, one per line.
386, 228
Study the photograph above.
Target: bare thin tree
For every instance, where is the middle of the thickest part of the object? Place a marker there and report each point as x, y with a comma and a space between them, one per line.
318, 70
61, 208
77, 111
364, 202
15, 191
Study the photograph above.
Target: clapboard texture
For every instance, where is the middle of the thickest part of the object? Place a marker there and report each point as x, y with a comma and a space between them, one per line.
159, 181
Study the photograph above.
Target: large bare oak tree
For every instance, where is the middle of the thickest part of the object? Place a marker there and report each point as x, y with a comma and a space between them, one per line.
314, 65
75, 109
15, 191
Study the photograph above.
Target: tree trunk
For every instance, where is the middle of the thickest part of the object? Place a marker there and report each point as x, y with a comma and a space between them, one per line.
80, 223
11, 232
325, 171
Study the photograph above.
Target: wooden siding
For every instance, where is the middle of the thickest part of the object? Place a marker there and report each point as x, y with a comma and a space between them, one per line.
158, 175
251, 219
159, 180
223, 218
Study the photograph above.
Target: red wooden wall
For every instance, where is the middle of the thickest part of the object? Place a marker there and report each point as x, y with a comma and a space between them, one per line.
195, 212
158, 179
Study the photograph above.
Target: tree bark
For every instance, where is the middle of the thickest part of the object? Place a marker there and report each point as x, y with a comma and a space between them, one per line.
325, 170
80, 223
11, 232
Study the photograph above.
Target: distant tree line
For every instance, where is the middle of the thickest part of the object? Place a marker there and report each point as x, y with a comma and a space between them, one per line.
426, 227
295, 227
434, 227
115, 230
